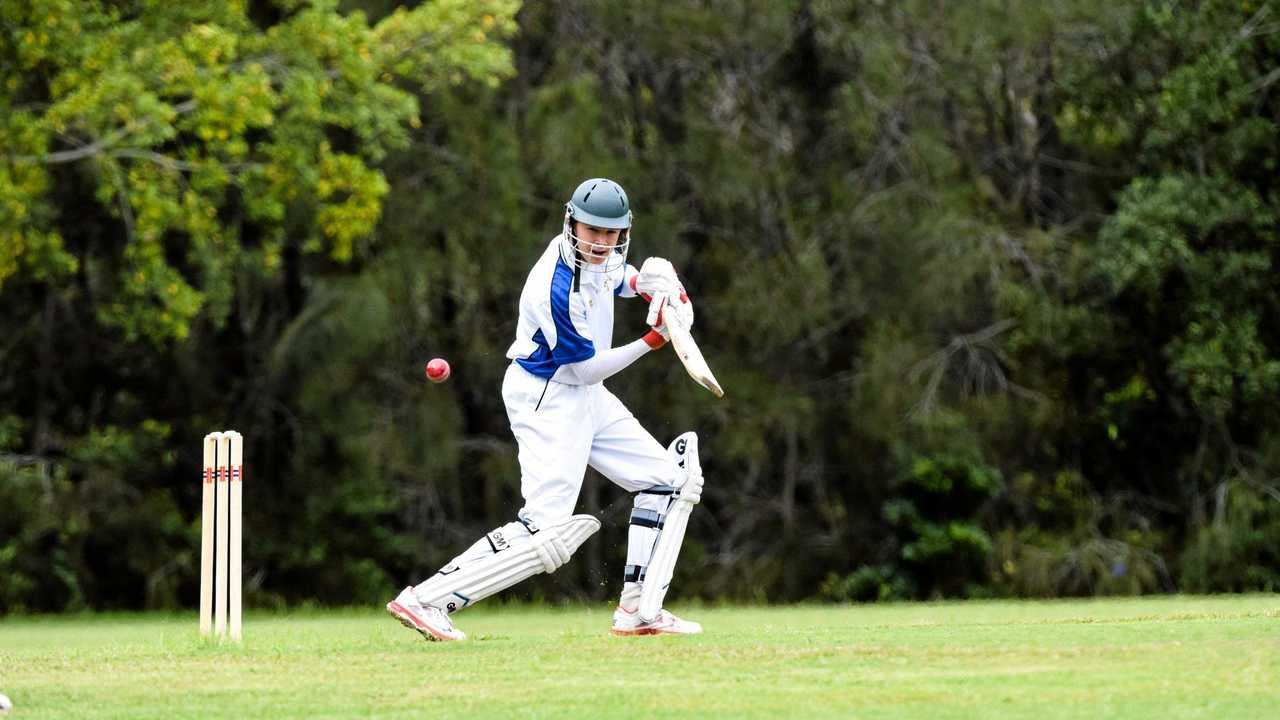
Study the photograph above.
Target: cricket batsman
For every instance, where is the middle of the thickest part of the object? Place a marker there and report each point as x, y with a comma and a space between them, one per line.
564, 419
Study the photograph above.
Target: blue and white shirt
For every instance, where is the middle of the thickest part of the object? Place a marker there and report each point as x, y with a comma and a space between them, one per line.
561, 324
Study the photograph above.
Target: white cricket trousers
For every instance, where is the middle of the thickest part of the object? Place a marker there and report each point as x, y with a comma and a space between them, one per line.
561, 429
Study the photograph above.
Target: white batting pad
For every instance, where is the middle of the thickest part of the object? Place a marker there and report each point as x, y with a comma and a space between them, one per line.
514, 552
662, 565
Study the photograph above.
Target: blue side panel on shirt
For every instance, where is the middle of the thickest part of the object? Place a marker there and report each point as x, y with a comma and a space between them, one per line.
540, 362
571, 346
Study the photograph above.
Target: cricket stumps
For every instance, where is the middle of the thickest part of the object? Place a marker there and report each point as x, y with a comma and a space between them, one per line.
220, 535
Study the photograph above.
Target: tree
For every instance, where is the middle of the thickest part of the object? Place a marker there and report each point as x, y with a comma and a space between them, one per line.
166, 167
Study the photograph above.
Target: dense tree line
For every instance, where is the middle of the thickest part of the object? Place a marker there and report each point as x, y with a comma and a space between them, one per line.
989, 285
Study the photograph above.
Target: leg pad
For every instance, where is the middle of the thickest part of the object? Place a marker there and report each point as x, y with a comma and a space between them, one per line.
514, 552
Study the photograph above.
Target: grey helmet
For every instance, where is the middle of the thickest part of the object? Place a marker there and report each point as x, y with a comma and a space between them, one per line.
601, 203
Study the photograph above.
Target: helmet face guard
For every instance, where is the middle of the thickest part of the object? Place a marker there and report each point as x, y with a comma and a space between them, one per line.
613, 260
599, 203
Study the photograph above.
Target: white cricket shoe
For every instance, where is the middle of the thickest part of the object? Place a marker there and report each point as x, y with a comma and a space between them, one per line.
627, 622
432, 622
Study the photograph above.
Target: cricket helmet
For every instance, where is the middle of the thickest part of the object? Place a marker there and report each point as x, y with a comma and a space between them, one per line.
601, 203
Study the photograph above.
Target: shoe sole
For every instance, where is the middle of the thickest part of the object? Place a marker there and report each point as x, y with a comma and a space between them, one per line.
650, 631
411, 621
636, 632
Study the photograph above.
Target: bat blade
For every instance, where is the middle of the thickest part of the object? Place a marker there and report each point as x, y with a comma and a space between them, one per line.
691, 355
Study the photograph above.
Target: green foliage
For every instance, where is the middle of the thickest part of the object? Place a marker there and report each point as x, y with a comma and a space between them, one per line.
879, 583
36, 540
79, 533
1062, 539
1211, 236
1239, 551
1153, 333
198, 128
168, 173
933, 246
944, 547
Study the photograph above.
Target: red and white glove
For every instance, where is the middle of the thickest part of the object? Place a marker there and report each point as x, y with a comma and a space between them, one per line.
663, 309
657, 277
678, 308
658, 283
656, 337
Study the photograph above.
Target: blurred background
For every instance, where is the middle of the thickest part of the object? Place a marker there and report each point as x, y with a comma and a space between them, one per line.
989, 285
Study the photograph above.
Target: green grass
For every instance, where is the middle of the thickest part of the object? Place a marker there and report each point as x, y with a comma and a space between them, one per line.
1144, 658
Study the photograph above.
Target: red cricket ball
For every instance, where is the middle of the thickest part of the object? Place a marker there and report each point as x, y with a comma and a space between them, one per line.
438, 370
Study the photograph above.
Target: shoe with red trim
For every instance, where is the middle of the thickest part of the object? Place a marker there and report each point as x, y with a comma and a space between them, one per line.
432, 622
627, 623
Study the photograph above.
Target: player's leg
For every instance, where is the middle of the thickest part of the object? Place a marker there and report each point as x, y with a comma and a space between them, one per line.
553, 448
553, 443
627, 454
503, 557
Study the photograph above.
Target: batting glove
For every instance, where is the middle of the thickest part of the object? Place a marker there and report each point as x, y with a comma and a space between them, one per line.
658, 334
657, 277
681, 309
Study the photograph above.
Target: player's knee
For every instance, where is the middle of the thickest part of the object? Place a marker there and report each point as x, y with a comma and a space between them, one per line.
555, 542
654, 501
533, 522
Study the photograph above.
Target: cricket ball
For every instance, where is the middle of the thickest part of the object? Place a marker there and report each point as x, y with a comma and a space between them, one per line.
438, 370
5, 704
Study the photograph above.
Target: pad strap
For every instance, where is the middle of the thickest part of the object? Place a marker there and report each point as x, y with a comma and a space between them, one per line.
646, 518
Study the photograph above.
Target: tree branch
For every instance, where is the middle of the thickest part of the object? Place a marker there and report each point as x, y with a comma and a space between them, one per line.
98, 146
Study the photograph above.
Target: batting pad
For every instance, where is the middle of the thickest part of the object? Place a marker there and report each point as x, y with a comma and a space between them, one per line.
662, 564
507, 555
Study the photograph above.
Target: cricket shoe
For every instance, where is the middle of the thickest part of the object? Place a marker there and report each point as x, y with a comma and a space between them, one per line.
627, 622
432, 622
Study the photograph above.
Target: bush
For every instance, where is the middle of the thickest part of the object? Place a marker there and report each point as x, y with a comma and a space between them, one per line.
1239, 550
37, 568
943, 547
1066, 540
879, 583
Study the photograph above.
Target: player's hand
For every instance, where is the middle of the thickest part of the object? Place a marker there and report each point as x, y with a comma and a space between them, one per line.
678, 305
681, 309
658, 334
657, 277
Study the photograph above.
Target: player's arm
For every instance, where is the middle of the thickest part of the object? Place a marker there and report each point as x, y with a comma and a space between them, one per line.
576, 351
610, 362
603, 365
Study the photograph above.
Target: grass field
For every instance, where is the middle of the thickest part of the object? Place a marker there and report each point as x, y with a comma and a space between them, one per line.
1144, 658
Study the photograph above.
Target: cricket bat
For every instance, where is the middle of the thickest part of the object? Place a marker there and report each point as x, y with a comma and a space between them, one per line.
691, 356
